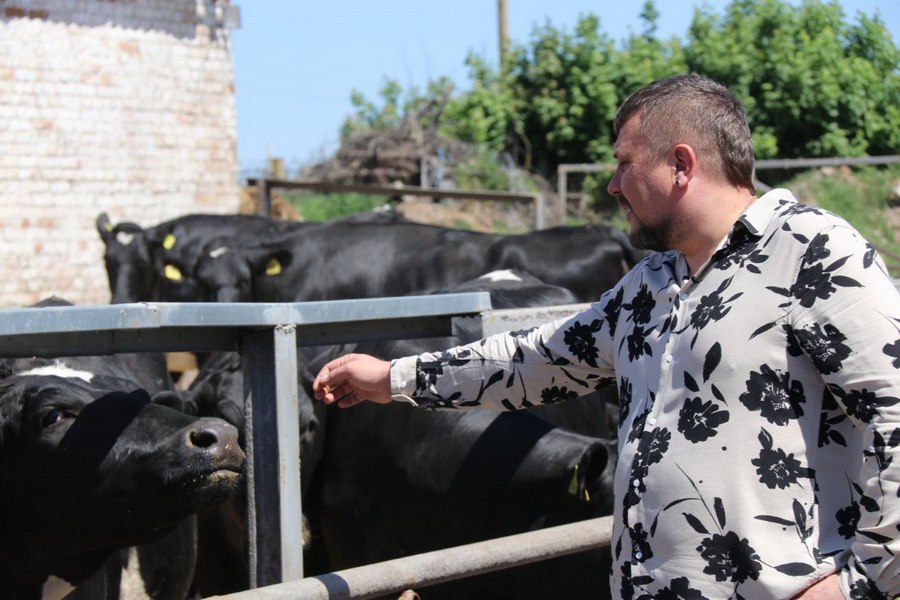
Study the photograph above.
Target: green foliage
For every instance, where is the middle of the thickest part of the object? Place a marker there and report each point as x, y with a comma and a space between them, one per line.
324, 207
862, 196
814, 84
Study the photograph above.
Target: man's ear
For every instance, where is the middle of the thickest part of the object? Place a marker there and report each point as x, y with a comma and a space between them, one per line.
685, 163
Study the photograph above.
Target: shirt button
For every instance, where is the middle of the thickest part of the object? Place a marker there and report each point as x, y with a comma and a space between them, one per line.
652, 420
402, 383
684, 296
668, 358
639, 555
636, 483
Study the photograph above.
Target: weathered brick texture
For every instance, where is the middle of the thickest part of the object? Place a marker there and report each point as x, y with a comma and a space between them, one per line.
123, 106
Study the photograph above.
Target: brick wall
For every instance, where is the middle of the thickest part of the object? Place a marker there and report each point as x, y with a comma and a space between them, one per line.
123, 106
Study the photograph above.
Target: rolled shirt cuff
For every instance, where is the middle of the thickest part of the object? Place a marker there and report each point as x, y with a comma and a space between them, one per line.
403, 379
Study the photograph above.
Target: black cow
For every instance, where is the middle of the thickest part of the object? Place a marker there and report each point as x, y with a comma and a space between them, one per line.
340, 260
587, 259
90, 465
394, 480
218, 391
344, 260
155, 263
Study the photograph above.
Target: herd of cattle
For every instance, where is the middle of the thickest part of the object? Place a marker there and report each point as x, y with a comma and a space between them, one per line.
111, 478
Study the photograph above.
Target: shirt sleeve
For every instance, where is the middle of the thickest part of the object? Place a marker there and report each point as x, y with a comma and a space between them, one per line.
557, 361
847, 319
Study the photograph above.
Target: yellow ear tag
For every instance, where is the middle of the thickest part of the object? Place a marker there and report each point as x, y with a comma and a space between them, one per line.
172, 273
168, 243
573, 485
108, 226
274, 267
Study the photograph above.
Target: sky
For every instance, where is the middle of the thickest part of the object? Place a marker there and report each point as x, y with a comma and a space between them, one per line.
297, 62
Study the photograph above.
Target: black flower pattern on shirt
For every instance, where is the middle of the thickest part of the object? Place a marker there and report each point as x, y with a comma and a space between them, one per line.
712, 307
741, 251
816, 281
775, 467
641, 306
848, 517
679, 589
580, 340
893, 350
637, 343
864, 589
612, 309
556, 394
775, 395
861, 403
625, 389
698, 420
651, 448
640, 547
824, 345
729, 558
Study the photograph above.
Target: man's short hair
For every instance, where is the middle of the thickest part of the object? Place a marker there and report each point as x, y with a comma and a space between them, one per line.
695, 110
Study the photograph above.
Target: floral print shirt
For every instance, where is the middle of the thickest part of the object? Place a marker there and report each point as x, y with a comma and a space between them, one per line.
759, 440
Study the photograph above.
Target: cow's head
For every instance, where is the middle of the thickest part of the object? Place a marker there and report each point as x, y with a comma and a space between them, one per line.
128, 259
227, 270
89, 464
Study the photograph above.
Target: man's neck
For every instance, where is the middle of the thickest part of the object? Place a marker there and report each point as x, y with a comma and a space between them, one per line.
713, 217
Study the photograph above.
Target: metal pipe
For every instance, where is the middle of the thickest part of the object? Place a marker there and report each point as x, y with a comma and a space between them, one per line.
422, 570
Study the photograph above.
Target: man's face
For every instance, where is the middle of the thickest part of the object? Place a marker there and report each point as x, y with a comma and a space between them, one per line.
642, 182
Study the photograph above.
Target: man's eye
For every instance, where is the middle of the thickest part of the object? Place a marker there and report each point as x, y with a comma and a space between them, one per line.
55, 416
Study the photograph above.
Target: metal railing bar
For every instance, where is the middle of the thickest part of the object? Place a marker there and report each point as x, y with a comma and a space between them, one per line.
430, 568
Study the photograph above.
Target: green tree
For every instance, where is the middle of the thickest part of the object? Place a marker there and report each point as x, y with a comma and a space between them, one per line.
813, 84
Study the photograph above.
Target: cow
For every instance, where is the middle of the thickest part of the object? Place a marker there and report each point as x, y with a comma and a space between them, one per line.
149, 264
340, 260
344, 260
92, 463
155, 263
395, 480
586, 259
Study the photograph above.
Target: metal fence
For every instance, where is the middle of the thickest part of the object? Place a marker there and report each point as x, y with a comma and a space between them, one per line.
564, 170
267, 336
264, 187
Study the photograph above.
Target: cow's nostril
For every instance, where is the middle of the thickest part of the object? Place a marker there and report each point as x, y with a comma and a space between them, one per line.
204, 437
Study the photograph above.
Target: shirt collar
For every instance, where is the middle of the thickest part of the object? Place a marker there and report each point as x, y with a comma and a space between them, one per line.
761, 211
754, 221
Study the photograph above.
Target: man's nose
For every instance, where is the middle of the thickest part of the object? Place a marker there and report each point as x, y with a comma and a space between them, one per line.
613, 188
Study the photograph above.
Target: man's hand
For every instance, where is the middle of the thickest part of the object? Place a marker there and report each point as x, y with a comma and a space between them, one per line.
825, 589
352, 379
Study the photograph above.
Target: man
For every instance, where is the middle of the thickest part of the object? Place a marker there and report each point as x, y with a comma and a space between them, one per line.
756, 355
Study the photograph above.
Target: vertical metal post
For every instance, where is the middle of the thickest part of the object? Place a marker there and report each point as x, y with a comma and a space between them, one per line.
502, 33
263, 197
562, 191
274, 508
540, 208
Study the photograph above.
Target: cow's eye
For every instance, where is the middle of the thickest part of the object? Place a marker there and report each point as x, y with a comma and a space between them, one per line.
55, 416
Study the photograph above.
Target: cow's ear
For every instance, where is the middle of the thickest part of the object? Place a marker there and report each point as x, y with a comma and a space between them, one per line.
104, 227
268, 261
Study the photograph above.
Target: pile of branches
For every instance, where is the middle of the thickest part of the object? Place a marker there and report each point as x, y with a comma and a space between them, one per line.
411, 154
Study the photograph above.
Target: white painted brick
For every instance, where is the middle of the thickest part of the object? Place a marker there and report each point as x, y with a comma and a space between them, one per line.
108, 106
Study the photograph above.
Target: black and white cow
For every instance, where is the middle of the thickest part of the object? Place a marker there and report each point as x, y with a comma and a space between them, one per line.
90, 465
156, 263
